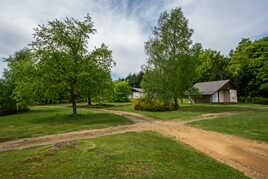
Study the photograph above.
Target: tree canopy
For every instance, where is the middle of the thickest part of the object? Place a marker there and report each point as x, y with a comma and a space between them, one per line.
63, 61
169, 71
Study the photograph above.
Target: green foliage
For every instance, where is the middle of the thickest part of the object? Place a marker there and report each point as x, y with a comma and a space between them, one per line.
254, 100
64, 63
7, 104
170, 68
121, 91
144, 104
213, 66
19, 79
249, 67
134, 80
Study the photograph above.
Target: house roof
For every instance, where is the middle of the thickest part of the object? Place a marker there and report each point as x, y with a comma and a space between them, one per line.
137, 90
209, 88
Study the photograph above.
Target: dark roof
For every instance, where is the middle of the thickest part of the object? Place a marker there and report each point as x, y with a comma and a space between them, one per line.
209, 88
137, 90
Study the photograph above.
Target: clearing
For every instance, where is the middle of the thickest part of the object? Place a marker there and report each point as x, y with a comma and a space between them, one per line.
129, 155
44, 120
248, 156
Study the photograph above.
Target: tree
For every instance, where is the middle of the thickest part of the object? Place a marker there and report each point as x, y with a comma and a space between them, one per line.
19, 76
170, 68
62, 58
249, 67
213, 66
98, 82
134, 80
121, 91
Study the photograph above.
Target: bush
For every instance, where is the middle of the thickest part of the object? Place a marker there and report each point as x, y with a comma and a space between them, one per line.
144, 104
260, 100
254, 100
7, 104
121, 91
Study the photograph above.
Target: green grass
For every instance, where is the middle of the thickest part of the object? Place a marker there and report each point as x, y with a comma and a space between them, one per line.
42, 120
253, 125
190, 110
129, 155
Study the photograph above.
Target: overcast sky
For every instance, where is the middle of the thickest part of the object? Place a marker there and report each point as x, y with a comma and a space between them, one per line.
124, 25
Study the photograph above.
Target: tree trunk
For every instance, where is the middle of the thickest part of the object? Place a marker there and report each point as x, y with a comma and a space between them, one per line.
89, 101
74, 106
176, 102
73, 102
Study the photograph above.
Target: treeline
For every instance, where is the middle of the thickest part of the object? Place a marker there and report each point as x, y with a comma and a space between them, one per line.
247, 67
175, 64
57, 67
134, 80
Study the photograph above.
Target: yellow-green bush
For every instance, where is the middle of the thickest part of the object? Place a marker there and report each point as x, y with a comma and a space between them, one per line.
144, 104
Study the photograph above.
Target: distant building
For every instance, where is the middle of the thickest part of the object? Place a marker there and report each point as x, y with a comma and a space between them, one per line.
222, 91
137, 93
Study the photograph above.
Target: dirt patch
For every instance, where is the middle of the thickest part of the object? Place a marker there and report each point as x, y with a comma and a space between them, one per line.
64, 144
248, 156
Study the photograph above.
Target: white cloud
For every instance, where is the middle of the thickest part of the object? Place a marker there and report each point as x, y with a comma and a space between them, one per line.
125, 26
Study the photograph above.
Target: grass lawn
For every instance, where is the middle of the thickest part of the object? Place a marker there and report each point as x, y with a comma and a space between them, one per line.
42, 120
253, 125
129, 155
190, 110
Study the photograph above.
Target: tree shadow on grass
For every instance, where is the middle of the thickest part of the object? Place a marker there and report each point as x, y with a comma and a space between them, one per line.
213, 108
91, 118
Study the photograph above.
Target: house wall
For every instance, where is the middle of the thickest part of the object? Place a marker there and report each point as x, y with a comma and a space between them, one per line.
202, 99
213, 98
136, 95
233, 96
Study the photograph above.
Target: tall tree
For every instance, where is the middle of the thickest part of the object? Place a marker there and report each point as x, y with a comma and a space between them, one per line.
62, 57
249, 67
97, 82
20, 76
170, 68
213, 66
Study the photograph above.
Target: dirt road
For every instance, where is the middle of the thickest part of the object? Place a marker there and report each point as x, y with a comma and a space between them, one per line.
248, 156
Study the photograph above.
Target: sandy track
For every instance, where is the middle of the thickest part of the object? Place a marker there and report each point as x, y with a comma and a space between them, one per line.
248, 156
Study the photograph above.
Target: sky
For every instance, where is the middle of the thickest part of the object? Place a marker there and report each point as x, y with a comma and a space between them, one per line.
124, 25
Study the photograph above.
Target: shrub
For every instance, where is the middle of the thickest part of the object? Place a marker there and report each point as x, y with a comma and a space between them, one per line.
260, 100
144, 104
121, 91
254, 100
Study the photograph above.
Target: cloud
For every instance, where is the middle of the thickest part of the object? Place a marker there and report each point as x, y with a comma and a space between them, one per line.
124, 25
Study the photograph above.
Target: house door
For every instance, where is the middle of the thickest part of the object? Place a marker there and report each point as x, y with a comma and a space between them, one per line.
217, 97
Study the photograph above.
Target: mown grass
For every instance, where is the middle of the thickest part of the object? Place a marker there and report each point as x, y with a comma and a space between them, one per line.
190, 110
253, 125
42, 120
129, 155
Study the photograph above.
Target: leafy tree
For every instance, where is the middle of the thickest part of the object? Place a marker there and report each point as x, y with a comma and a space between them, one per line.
63, 61
171, 58
97, 82
249, 67
213, 66
134, 80
20, 78
121, 91
7, 103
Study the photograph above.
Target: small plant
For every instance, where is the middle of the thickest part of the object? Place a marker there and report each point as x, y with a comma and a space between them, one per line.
144, 104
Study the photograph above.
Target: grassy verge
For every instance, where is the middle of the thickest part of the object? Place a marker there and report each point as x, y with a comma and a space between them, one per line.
253, 125
42, 120
190, 110
129, 155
